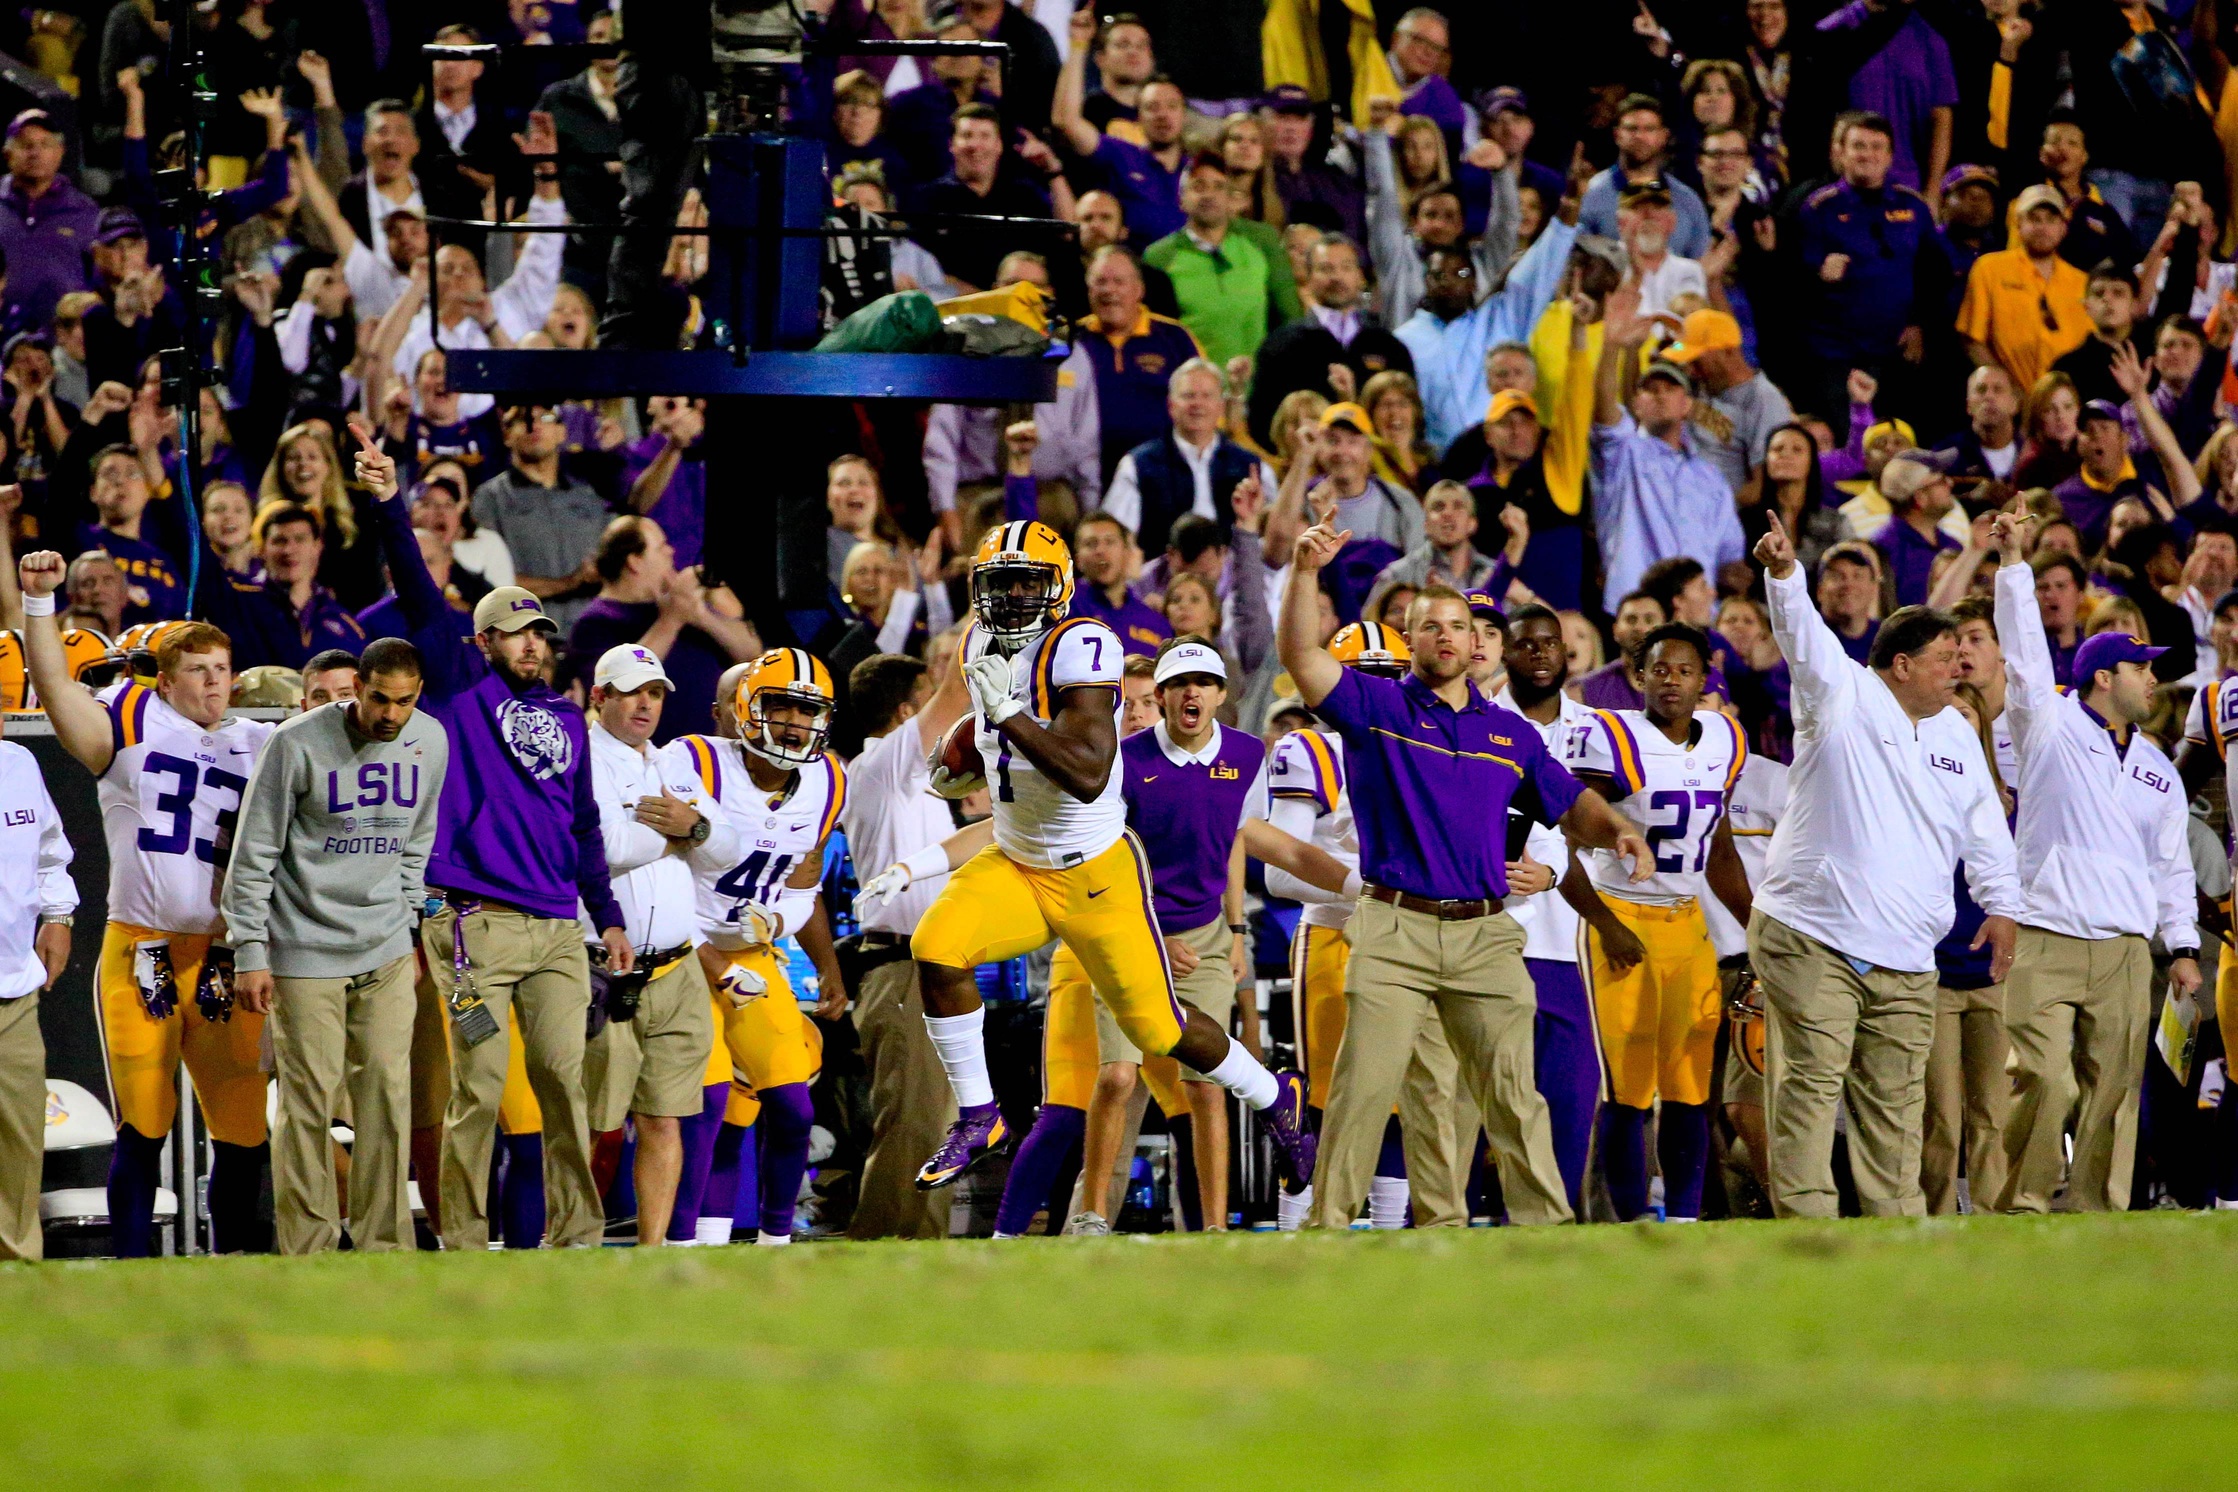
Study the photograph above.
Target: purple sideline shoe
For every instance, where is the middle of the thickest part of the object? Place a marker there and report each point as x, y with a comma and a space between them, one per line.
1294, 1144
978, 1132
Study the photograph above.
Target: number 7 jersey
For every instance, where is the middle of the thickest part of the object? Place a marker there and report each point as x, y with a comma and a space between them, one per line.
1676, 792
168, 803
1037, 823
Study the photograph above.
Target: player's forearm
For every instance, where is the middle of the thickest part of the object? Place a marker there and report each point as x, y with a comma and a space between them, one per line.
1309, 866
1075, 752
967, 842
1726, 877
1578, 890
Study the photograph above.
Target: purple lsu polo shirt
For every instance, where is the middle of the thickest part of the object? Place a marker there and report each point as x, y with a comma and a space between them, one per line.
1187, 813
1431, 785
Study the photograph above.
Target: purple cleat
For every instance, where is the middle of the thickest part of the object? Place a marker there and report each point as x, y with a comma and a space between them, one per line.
978, 1132
1294, 1144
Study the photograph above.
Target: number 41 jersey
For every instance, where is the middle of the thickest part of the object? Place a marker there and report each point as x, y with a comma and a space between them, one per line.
1038, 823
168, 803
1677, 793
775, 831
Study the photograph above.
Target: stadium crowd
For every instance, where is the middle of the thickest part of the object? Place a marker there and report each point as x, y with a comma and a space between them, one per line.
1818, 423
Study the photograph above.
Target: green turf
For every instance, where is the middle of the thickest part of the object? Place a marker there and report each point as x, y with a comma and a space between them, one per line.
2062, 1352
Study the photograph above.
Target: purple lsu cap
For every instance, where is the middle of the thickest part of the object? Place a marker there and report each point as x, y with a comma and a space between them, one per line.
2105, 651
2100, 409
1484, 603
1494, 102
31, 118
1289, 98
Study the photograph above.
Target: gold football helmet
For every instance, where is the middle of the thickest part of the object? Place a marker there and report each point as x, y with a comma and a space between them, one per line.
1373, 648
1021, 582
788, 676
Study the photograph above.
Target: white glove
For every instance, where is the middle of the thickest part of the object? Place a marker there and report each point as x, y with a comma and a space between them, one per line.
759, 928
989, 678
882, 887
741, 986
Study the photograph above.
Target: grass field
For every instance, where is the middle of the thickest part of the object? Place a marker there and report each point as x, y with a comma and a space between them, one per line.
2066, 1352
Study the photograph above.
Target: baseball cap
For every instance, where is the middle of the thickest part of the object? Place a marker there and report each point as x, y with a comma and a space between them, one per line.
2042, 194
1187, 658
1600, 246
1494, 102
1675, 372
629, 668
1288, 99
1703, 331
2104, 651
117, 224
1908, 471
30, 118
509, 608
1349, 415
1969, 173
1651, 190
2099, 409
1507, 401
1484, 603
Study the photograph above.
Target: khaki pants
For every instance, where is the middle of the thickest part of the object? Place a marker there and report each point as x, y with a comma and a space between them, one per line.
1968, 1096
1833, 1033
1438, 1121
1406, 966
2079, 1014
534, 976
656, 1064
911, 1107
331, 1037
23, 1127
1209, 987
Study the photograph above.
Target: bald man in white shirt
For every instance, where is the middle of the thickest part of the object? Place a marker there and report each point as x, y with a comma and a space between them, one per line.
1889, 792
2104, 831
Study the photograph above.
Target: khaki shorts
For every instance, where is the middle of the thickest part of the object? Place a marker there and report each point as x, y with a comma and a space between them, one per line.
1210, 987
656, 1064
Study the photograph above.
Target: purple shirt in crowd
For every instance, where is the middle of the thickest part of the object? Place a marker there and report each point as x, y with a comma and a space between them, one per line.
681, 509
1431, 785
1902, 82
1186, 810
1140, 628
1911, 559
518, 823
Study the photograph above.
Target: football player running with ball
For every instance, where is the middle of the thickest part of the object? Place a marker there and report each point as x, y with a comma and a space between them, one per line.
1046, 701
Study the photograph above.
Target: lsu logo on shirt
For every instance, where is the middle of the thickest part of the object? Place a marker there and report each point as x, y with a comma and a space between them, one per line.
378, 785
537, 739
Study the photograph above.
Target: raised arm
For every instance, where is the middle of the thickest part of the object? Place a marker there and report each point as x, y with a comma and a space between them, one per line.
2183, 481
2031, 687
1298, 632
1072, 85
1825, 677
1623, 330
80, 721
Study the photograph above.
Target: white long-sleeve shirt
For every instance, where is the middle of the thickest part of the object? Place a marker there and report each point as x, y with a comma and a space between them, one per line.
2102, 827
1549, 922
652, 882
891, 814
521, 304
1880, 809
35, 859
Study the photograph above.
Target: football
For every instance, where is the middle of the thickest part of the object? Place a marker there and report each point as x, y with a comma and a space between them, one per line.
957, 771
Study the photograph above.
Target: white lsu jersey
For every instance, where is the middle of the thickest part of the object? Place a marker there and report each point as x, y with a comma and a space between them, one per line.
1676, 792
1306, 768
1754, 809
1038, 823
168, 805
775, 831
1549, 923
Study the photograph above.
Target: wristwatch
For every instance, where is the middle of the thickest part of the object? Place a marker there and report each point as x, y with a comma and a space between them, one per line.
57, 919
701, 828
2190, 953
1240, 929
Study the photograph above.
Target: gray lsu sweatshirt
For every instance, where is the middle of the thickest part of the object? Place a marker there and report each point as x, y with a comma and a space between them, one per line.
330, 852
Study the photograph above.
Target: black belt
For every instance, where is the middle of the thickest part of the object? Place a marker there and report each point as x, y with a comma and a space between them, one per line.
1444, 911
666, 956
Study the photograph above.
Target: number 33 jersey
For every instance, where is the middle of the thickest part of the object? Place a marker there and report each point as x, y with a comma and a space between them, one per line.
168, 803
776, 831
1038, 823
1676, 792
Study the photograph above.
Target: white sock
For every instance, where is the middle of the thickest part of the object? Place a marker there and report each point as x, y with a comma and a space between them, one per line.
772, 1240
956, 1038
1240, 1073
1290, 1212
2226, 1204
1681, 1219
713, 1230
1387, 1201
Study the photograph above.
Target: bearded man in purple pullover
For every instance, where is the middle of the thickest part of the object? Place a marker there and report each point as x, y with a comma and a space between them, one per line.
517, 851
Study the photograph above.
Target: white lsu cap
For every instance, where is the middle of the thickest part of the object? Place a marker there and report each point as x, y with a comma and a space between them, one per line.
629, 668
1188, 658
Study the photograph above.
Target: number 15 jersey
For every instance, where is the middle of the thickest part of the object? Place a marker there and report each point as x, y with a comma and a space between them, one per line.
1677, 792
1037, 823
168, 803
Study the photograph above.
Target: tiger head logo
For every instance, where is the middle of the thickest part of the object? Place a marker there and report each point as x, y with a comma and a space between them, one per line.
536, 738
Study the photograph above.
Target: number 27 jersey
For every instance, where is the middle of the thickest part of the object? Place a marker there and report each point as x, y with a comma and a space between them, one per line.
1038, 823
1676, 792
168, 804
